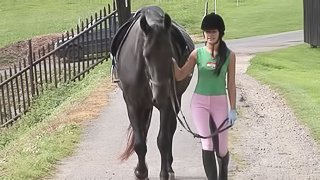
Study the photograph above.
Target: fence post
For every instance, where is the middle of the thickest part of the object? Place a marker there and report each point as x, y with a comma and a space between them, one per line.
124, 11
311, 22
31, 68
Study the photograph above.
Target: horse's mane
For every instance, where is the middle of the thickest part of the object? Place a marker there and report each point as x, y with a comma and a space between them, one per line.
154, 14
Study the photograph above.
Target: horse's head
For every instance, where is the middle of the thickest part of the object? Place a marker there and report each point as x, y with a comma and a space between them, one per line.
157, 52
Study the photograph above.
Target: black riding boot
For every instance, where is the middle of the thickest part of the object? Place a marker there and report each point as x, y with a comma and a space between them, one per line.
223, 163
209, 164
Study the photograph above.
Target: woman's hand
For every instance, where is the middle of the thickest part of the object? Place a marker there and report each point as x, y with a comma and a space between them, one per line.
187, 68
176, 69
232, 116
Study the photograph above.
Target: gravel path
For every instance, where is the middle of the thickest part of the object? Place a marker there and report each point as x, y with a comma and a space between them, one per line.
268, 141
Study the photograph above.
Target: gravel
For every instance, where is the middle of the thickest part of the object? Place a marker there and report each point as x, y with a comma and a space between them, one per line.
268, 141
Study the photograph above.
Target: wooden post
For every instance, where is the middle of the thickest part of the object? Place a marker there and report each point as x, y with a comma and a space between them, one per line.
31, 68
311, 14
124, 11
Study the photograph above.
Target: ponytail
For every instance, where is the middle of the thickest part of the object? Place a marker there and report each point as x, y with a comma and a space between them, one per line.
222, 52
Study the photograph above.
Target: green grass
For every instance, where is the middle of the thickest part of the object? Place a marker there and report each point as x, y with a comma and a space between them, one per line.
22, 19
30, 149
294, 72
251, 17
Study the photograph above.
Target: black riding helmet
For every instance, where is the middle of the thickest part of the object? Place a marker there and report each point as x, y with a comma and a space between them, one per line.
213, 21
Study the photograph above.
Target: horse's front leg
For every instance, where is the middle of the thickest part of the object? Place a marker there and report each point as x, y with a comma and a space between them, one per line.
165, 138
172, 129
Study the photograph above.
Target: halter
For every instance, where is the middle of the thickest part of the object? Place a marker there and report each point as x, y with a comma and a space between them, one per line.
157, 83
153, 82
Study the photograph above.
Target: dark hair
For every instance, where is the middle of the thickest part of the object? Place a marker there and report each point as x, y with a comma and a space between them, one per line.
214, 21
222, 52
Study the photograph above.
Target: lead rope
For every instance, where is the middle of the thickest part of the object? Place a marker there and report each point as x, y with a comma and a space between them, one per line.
185, 125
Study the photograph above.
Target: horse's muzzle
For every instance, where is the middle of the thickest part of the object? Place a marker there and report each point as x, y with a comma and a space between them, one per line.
160, 93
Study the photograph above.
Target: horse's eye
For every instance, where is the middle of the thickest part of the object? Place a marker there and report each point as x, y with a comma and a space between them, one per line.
146, 55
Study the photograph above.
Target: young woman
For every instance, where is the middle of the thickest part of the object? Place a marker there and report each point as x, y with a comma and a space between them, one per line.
216, 71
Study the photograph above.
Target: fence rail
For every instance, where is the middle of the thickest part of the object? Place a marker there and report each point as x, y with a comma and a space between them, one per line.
68, 59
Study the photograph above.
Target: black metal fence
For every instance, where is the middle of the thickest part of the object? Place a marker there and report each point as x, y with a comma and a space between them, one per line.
311, 11
68, 59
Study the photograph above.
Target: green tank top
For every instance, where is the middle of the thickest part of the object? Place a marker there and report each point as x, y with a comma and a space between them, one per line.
208, 82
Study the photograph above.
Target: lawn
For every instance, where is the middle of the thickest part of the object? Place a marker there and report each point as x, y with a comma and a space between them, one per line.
249, 18
51, 130
21, 19
294, 72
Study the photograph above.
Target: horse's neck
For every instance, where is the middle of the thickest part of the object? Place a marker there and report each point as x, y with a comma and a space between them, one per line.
138, 44
132, 54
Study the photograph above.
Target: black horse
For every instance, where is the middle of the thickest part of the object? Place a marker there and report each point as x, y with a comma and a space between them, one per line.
143, 59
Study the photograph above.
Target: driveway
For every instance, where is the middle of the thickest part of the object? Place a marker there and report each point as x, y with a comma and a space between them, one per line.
251, 144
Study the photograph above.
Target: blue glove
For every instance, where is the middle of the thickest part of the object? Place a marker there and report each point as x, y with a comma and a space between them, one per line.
232, 116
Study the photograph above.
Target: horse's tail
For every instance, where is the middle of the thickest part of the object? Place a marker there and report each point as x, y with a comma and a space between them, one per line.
130, 144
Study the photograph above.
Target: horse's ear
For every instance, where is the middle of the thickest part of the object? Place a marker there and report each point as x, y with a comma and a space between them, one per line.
144, 25
167, 21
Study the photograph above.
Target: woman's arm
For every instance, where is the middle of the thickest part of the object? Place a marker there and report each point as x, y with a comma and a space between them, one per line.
181, 73
231, 81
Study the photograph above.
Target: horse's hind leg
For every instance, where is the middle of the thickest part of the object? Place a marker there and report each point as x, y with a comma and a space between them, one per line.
165, 136
172, 128
140, 121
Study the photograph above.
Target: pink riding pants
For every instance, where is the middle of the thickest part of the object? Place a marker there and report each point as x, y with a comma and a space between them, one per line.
202, 107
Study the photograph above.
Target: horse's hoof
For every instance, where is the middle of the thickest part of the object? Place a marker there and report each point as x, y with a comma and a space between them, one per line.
164, 176
141, 179
141, 175
171, 176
